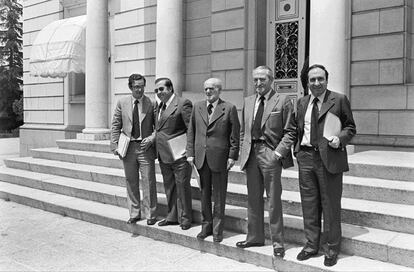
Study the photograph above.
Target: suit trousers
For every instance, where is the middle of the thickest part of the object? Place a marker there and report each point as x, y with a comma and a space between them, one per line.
137, 161
320, 193
176, 177
213, 183
263, 171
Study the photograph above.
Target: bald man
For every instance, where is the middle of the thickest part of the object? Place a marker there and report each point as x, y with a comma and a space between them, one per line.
213, 146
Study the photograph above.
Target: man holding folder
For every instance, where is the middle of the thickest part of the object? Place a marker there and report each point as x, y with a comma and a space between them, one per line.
213, 146
325, 126
173, 115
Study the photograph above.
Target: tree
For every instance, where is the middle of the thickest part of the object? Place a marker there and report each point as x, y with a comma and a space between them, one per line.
11, 56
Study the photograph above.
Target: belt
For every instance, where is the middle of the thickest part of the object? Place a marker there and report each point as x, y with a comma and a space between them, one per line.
258, 141
309, 148
135, 141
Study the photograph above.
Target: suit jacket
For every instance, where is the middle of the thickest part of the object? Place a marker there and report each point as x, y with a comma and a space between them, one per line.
278, 127
172, 123
217, 140
335, 160
122, 121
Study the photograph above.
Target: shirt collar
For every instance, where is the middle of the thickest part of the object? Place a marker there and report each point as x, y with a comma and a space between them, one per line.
169, 100
214, 103
320, 98
266, 96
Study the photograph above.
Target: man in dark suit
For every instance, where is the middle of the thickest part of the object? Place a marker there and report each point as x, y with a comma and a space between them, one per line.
322, 160
134, 116
213, 146
267, 133
173, 115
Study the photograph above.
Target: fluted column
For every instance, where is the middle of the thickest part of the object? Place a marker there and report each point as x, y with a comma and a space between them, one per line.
96, 82
170, 42
328, 44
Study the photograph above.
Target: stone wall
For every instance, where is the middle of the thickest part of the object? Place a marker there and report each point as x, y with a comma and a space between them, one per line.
379, 79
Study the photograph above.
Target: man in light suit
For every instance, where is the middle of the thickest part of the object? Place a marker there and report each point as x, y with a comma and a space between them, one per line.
321, 163
134, 116
213, 146
267, 133
173, 115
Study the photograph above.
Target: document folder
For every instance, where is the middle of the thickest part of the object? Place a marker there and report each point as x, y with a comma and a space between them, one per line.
332, 125
177, 146
123, 144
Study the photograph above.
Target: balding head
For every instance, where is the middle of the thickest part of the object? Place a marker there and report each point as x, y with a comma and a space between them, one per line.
212, 89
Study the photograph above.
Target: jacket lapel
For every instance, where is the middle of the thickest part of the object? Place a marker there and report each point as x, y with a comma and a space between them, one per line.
128, 107
249, 112
145, 107
168, 111
302, 110
273, 99
218, 112
327, 104
202, 109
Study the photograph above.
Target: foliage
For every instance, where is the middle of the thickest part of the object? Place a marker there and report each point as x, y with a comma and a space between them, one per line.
11, 56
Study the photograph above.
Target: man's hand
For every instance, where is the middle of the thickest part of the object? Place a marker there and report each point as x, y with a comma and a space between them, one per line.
334, 141
146, 143
190, 160
230, 163
117, 154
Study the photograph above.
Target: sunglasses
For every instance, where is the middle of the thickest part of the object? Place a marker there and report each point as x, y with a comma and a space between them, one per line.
160, 89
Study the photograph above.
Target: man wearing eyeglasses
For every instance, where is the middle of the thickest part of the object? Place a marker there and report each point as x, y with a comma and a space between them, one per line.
134, 116
172, 117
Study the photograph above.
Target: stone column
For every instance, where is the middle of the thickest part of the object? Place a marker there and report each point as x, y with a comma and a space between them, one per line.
170, 42
96, 81
328, 44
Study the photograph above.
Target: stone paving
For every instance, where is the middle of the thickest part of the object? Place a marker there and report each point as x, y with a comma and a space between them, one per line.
35, 240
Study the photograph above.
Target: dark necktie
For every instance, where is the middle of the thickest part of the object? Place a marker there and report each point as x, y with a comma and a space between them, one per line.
257, 125
135, 121
210, 109
314, 123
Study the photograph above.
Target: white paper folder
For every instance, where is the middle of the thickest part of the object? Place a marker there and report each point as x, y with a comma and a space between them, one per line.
123, 144
177, 146
332, 125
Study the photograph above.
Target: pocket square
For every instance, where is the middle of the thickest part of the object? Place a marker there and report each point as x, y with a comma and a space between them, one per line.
275, 112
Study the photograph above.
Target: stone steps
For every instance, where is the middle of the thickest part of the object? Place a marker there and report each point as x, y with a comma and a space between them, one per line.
391, 165
114, 217
362, 241
389, 216
392, 191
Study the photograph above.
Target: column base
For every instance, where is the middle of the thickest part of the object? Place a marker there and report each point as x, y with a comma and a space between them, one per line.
94, 134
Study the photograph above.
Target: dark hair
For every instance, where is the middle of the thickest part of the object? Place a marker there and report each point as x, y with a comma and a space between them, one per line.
168, 82
134, 77
320, 66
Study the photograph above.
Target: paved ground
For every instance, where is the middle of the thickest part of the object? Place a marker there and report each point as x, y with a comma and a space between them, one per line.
35, 240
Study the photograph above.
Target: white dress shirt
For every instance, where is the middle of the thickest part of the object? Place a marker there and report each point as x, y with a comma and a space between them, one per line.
308, 117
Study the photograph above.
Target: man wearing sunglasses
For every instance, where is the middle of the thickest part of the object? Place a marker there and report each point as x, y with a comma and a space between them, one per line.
172, 117
134, 116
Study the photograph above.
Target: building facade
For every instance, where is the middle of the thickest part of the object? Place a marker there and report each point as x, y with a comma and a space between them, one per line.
366, 45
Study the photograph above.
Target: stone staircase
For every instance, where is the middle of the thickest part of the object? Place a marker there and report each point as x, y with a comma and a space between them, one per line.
82, 179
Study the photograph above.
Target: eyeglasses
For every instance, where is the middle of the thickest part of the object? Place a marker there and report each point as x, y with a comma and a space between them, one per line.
160, 89
137, 87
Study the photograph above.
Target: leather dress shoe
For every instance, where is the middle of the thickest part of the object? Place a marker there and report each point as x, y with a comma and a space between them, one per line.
133, 220
304, 255
279, 252
203, 235
331, 260
185, 227
166, 223
217, 238
245, 244
151, 221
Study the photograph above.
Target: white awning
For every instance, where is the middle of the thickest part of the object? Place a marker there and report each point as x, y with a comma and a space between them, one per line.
59, 48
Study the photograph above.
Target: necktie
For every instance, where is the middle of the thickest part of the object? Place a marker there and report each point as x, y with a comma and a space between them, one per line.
135, 121
162, 107
314, 123
257, 124
210, 109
